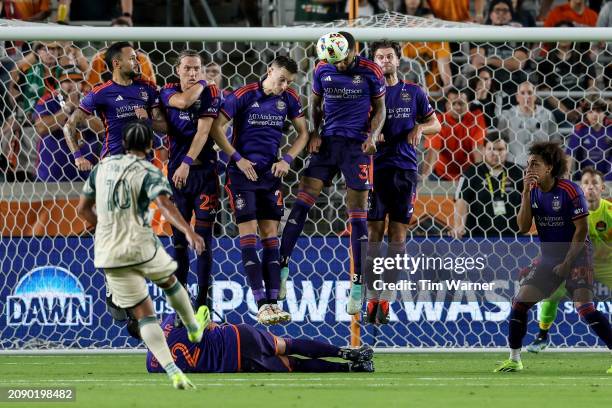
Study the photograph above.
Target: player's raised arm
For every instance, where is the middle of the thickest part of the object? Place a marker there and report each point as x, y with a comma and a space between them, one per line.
524, 217
77, 117
184, 100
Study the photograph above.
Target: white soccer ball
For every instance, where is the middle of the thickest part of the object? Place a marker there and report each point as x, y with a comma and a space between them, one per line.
332, 47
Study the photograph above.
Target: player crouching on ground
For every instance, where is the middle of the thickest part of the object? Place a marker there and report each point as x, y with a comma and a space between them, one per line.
126, 247
229, 348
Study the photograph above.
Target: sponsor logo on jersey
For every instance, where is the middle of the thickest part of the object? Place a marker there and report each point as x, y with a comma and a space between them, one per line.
327, 78
118, 98
280, 105
255, 105
556, 203
49, 296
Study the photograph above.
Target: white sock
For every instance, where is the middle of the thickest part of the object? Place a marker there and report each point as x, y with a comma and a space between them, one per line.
153, 336
179, 300
515, 354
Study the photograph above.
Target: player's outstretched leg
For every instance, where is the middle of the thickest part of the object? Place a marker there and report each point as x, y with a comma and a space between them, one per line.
293, 228
597, 322
178, 299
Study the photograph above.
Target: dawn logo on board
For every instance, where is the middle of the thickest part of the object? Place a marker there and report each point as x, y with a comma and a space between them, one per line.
49, 296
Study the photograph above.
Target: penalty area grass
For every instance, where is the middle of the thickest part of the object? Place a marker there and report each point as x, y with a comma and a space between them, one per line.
401, 380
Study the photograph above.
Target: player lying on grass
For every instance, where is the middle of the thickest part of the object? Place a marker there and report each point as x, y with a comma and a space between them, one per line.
121, 187
229, 348
600, 233
560, 212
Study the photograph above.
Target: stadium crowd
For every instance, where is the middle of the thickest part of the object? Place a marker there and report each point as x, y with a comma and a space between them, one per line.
514, 93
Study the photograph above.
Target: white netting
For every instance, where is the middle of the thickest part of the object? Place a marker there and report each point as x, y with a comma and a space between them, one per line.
53, 297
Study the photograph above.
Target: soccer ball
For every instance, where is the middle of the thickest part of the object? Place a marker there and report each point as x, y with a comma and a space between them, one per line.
332, 47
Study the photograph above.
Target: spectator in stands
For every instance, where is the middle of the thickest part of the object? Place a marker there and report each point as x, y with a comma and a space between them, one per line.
32, 10
99, 71
417, 8
84, 10
485, 98
458, 144
434, 56
506, 60
567, 67
36, 75
605, 49
522, 16
55, 162
575, 11
367, 8
321, 11
591, 143
457, 10
488, 196
449, 97
526, 123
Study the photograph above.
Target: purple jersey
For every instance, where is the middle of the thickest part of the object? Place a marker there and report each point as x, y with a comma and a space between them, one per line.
217, 352
183, 124
55, 161
347, 97
554, 212
115, 105
258, 122
407, 105
590, 147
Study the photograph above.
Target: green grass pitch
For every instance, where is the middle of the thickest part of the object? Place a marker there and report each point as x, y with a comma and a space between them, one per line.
401, 380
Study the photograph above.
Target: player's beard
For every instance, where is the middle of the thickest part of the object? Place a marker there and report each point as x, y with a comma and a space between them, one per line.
133, 74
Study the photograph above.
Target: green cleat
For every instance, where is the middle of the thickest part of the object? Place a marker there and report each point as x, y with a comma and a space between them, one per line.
282, 293
509, 366
609, 371
181, 382
538, 345
203, 319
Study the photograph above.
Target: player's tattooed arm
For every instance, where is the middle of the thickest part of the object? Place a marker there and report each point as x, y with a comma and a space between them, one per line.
316, 118
158, 119
218, 134
199, 140
576, 247
281, 168
376, 125
85, 209
174, 217
70, 130
184, 100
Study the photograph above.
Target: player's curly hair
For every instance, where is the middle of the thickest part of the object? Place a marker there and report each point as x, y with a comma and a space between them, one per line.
137, 136
376, 45
553, 155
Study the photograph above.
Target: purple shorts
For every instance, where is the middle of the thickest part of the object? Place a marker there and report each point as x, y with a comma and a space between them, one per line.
340, 154
200, 194
259, 200
394, 193
258, 351
540, 274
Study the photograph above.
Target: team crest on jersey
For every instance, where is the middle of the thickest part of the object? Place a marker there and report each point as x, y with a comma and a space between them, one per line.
357, 79
601, 226
556, 203
405, 96
280, 105
143, 94
240, 203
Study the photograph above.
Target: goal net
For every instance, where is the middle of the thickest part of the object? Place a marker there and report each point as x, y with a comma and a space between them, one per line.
525, 89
